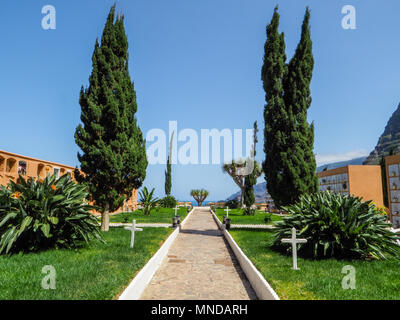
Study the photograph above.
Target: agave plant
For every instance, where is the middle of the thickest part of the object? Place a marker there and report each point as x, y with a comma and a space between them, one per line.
199, 195
147, 199
45, 213
338, 226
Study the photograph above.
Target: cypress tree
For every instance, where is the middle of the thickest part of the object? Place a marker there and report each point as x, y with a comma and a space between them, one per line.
168, 183
299, 159
113, 158
275, 116
290, 164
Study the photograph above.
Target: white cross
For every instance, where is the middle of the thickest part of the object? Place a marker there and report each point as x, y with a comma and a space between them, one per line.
294, 243
176, 209
227, 212
133, 229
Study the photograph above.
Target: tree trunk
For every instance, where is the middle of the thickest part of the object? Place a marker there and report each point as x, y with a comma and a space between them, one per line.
105, 218
241, 198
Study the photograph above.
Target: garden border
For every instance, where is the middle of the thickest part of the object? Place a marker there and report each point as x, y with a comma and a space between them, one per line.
136, 287
262, 288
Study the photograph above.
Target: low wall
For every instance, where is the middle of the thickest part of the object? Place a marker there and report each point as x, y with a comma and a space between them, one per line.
142, 279
262, 288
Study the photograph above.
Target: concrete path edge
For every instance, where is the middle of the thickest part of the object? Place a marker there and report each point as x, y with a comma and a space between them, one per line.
142, 279
262, 288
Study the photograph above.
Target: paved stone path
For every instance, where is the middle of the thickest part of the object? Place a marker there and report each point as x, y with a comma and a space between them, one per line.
199, 265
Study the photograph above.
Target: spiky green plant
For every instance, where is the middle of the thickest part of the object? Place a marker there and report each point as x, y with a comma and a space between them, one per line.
148, 200
338, 226
45, 213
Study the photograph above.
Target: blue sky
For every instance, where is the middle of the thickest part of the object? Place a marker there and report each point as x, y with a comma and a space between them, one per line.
197, 62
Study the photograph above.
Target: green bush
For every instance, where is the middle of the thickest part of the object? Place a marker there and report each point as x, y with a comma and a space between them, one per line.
268, 217
232, 204
338, 226
249, 211
167, 202
49, 213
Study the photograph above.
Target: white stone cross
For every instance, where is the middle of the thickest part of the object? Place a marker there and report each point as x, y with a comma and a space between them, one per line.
227, 212
176, 209
133, 229
294, 243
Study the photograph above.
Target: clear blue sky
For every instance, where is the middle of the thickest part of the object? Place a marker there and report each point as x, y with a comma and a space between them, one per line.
197, 62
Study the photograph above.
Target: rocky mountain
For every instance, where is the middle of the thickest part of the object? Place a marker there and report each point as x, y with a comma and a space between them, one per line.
389, 138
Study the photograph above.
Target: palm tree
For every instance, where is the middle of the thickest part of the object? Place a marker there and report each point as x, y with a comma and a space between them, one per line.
147, 200
199, 195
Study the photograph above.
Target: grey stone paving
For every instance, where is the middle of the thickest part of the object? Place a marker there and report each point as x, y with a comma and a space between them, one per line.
199, 265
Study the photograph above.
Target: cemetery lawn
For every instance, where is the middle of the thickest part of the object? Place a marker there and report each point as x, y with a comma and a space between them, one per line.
97, 271
318, 279
157, 215
237, 217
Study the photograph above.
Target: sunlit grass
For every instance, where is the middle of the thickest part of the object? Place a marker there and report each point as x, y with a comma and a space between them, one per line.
318, 279
98, 271
237, 217
157, 215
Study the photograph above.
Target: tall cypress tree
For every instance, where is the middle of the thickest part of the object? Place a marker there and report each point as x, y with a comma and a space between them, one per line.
113, 158
275, 116
290, 162
300, 160
168, 183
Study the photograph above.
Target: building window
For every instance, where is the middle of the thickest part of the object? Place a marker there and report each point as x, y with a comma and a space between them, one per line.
2, 163
56, 172
40, 170
22, 168
10, 165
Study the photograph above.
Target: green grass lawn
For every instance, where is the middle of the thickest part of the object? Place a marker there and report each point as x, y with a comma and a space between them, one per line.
320, 279
98, 271
157, 215
237, 217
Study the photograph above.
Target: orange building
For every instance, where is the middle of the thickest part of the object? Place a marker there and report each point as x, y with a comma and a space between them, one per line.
356, 180
393, 187
12, 165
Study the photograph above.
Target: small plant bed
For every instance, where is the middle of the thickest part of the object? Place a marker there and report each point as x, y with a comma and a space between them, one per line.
98, 271
157, 215
237, 217
318, 279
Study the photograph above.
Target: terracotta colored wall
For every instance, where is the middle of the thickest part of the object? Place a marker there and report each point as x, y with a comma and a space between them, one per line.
366, 182
41, 168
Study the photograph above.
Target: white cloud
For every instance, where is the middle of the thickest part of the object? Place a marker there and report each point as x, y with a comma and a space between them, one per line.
337, 157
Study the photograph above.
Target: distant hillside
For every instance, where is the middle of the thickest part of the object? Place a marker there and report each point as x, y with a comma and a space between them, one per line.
259, 193
389, 138
259, 189
356, 161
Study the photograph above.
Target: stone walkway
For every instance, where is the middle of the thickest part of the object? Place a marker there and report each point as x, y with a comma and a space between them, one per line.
199, 265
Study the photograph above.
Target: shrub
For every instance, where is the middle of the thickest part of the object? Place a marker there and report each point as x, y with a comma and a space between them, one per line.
49, 213
232, 204
168, 202
249, 211
338, 226
268, 217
